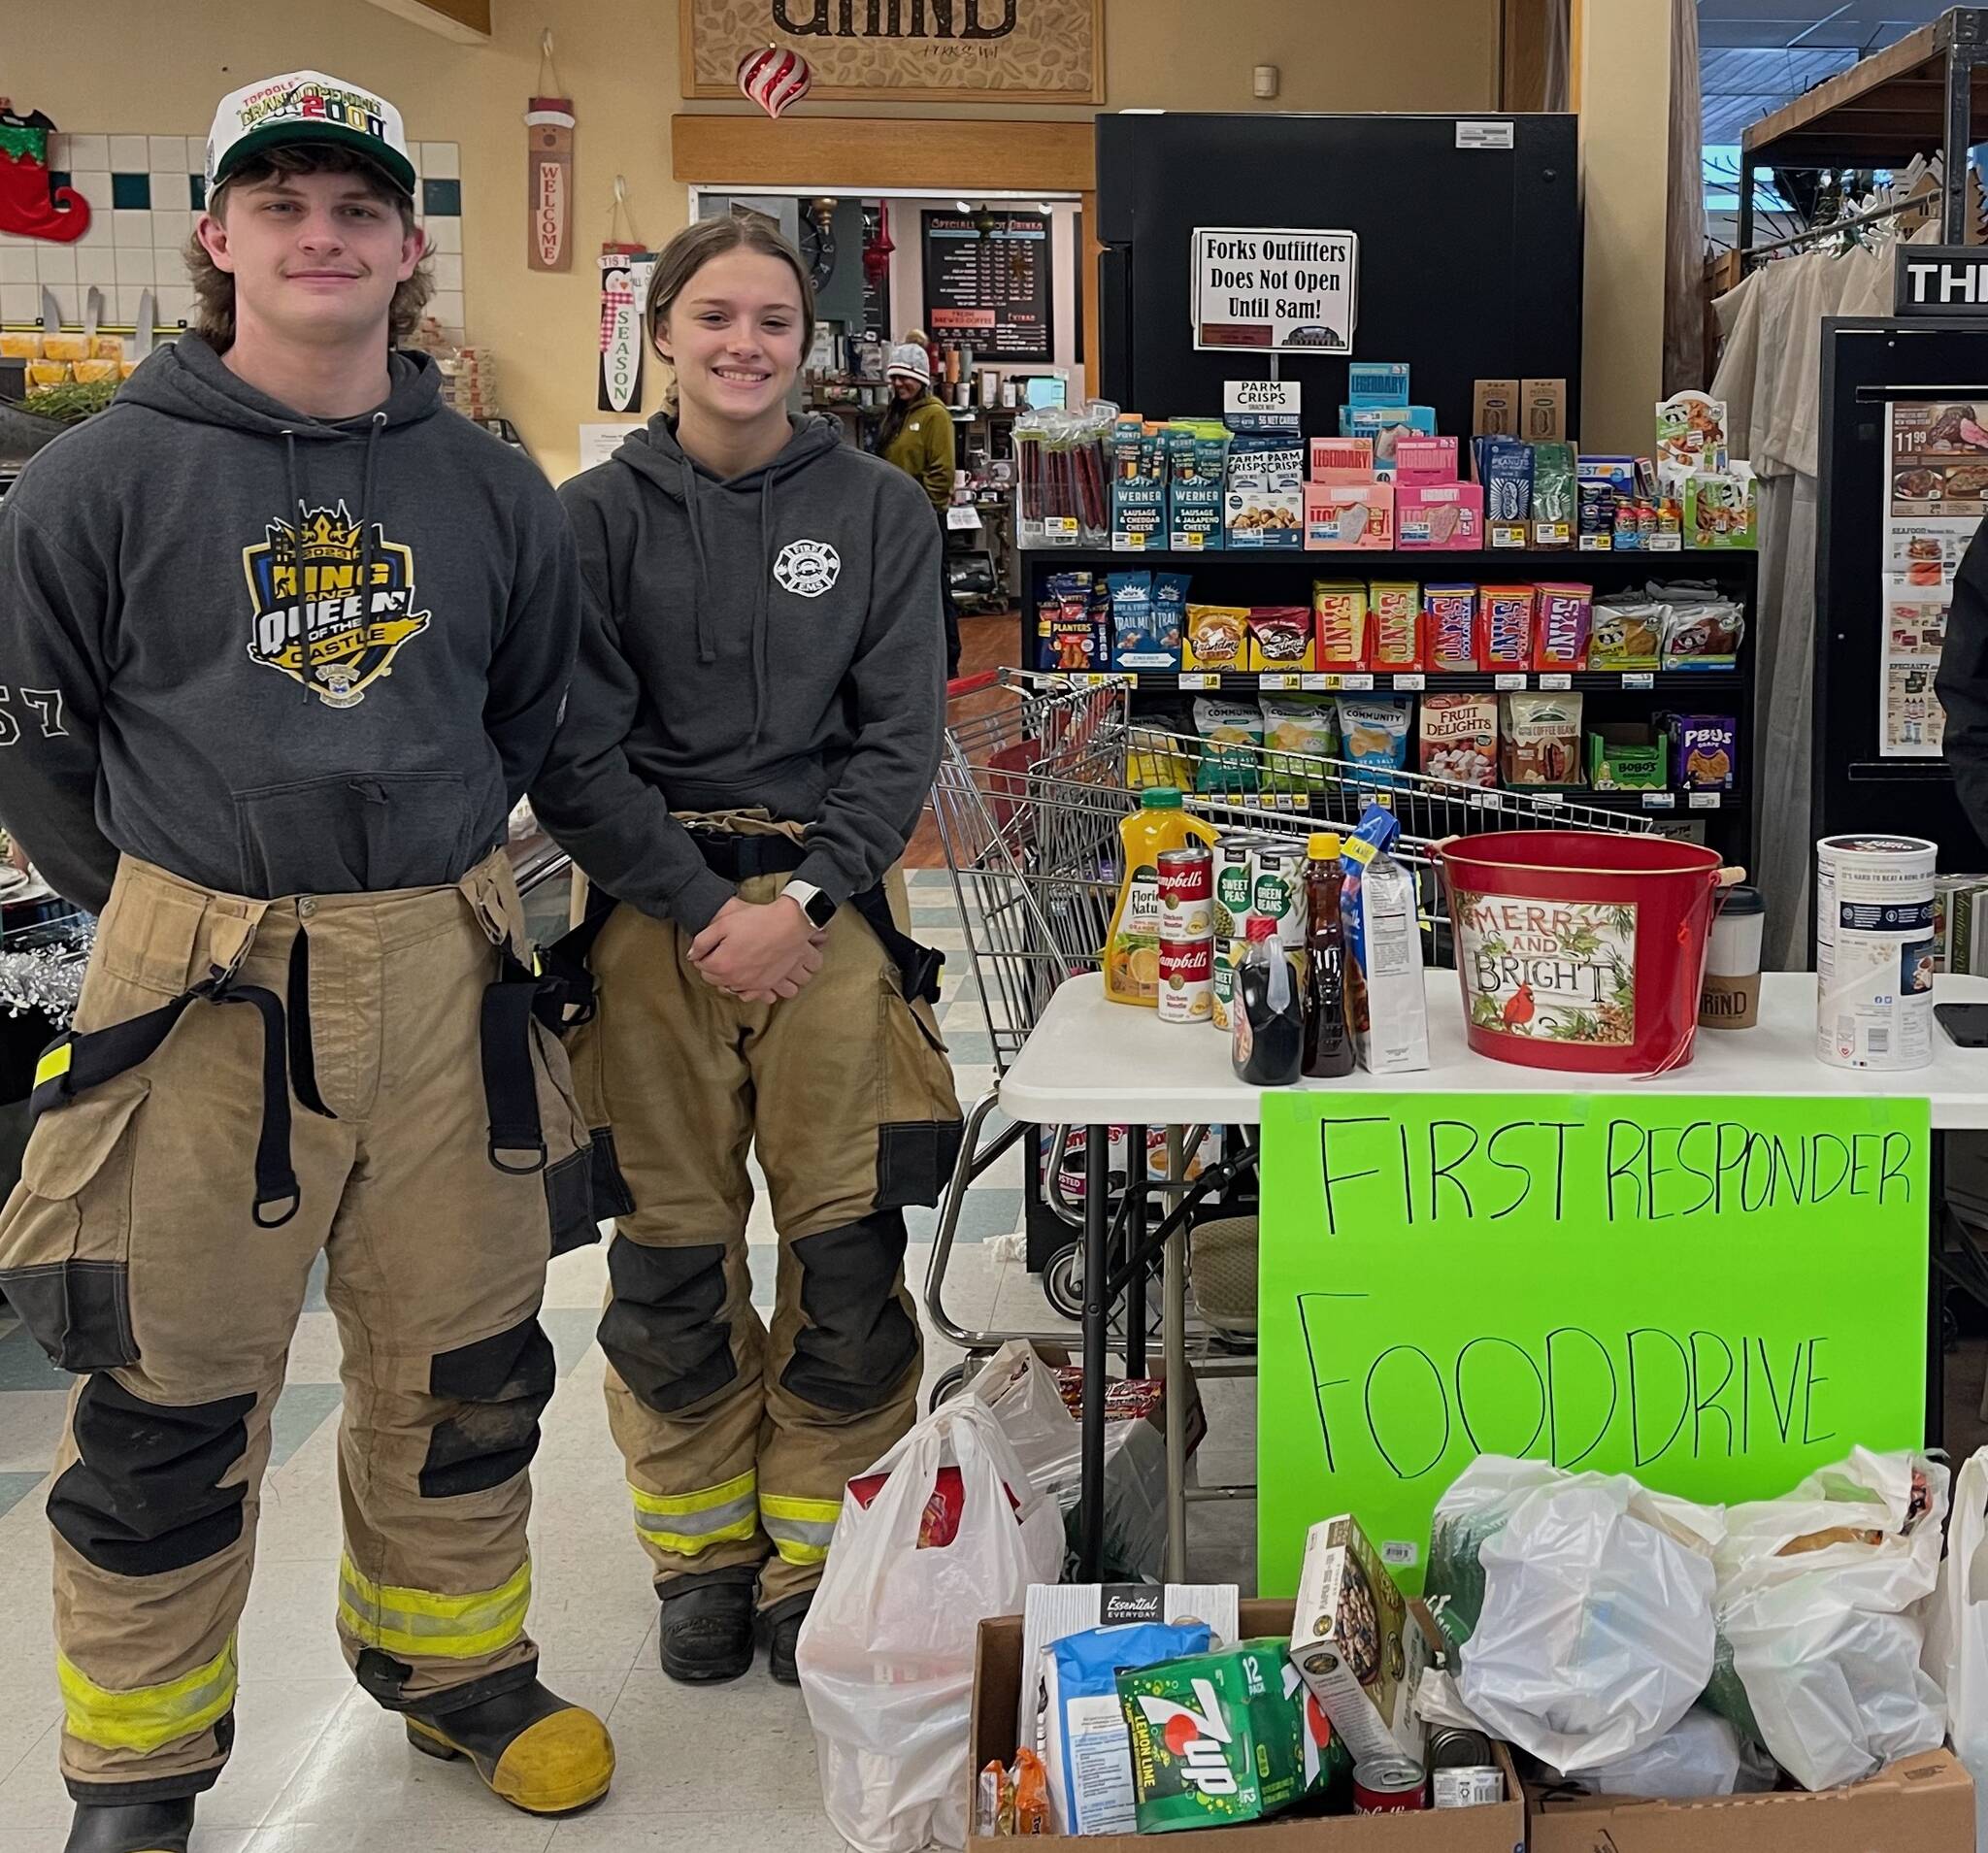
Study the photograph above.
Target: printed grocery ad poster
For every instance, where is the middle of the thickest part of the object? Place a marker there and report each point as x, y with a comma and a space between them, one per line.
1935, 491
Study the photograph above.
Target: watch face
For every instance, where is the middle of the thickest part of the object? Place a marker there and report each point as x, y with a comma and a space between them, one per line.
819, 908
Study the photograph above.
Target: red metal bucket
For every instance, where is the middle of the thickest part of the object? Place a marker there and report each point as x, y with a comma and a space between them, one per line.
1581, 951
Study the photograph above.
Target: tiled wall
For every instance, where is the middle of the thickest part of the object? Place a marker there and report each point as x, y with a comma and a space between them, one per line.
145, 193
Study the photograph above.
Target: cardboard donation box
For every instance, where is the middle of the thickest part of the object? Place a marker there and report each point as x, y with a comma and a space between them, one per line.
1925, 1803
998, 1674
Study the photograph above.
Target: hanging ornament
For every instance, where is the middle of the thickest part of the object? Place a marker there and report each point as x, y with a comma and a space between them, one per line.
27, 207
549, 123
774, 77
625, 267
877, 249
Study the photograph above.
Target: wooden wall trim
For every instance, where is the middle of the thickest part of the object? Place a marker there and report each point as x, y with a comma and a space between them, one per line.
1522, 75
844, 153
466, 22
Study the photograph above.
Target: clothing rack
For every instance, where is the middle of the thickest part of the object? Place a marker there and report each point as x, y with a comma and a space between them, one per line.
1834, 226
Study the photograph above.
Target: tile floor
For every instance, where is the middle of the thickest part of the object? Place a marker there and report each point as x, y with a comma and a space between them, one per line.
318, 1769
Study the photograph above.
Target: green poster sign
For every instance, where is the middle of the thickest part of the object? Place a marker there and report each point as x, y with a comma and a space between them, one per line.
1714, 1294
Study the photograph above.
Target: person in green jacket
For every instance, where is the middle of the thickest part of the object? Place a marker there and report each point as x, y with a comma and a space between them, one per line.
917, 434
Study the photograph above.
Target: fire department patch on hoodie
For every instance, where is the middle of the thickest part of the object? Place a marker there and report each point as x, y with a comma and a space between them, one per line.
310, 622
808, 568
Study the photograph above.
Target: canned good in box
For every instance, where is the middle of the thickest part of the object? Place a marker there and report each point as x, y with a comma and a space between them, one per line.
1186, 981
1469, 1786
1388, 1786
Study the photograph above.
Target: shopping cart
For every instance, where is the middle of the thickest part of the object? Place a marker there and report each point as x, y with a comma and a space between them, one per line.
1029, 798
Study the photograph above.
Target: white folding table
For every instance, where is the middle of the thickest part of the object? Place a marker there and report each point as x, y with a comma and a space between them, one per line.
1096, 1064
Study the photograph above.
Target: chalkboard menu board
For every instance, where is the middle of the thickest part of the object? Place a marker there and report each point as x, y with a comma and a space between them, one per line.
989, 289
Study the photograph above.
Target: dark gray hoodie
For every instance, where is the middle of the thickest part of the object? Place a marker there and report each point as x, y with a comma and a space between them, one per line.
153, 696
773, 639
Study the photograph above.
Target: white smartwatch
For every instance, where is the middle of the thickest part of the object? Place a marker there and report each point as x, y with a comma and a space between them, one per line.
815, 905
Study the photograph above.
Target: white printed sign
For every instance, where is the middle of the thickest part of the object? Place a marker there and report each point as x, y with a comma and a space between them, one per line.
1258, 398
1275, 291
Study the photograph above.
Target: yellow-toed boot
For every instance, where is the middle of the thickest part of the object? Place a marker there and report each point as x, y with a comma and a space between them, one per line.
529, 1745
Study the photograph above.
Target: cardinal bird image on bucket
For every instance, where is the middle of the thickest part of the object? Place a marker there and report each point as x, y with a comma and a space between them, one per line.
1519, 1007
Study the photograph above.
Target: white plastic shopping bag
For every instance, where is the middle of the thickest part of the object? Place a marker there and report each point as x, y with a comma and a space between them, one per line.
886, 1653
1597, 1633
1822, 1597
1957, 1631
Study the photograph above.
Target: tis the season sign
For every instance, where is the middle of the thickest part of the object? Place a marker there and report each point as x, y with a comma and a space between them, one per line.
1714, 1294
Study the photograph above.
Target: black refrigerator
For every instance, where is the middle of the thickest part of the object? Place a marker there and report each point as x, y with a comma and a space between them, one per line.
1905, 483
1470, 234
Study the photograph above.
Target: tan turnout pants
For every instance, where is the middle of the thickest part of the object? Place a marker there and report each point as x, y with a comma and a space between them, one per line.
131, 1253
739, 1441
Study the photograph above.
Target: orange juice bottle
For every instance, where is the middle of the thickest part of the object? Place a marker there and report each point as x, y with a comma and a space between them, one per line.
1131, 947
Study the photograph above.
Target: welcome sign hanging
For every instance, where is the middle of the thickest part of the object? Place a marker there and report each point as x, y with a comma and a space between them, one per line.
1018, 50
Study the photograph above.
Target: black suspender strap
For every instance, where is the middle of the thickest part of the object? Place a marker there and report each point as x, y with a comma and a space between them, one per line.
303, 1057
918, 967
510, 1084
276, 1183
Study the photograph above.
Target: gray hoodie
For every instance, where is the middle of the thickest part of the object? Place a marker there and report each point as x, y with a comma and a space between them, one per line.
153, 694
774, 640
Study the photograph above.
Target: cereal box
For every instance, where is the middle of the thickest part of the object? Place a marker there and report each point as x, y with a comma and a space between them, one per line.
1339, 609
1355, 1646
1449, 626
1393, 625
1505, 626
1348, 514
1459, 739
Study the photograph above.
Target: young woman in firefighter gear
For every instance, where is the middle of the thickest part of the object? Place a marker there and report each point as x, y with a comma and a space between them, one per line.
283, 640
754, 725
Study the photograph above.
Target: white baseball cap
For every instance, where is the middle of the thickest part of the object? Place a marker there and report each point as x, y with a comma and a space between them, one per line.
911, 361
300, 108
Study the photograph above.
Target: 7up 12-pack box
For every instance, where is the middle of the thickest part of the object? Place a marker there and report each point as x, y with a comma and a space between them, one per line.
1214, 1737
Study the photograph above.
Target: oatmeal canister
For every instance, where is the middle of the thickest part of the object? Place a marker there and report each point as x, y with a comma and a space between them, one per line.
1581, 951
1873, 952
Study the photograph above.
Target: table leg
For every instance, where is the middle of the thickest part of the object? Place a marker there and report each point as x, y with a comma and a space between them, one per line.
1174, 1341
1097, 1225
1135, 1239
1936, 1295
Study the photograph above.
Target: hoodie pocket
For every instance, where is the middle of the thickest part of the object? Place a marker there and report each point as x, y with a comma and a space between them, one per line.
364, 832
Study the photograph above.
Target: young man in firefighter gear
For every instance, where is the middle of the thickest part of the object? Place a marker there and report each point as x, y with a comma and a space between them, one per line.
754, 725
281, 641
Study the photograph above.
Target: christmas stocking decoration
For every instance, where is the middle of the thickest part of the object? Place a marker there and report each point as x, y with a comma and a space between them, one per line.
27, 207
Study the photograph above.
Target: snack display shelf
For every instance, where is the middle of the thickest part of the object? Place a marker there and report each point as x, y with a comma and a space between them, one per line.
1491, 800
1423, 562
1675, 682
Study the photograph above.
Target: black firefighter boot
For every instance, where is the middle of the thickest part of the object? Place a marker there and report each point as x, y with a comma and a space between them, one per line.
783, 1637
135, 1827
530, 1748
706, 1635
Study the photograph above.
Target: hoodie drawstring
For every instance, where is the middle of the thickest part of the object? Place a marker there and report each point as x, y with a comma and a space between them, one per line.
374, 427
707, 640
295, 483
759, 609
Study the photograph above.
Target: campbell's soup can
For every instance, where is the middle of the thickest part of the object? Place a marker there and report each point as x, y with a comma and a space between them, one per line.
1389, 1786
1235, 872
1186, 981
1187, 886
1277, 889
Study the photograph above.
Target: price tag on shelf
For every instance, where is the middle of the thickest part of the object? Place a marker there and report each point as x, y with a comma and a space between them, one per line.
1408, 682
1507, 679
1597, 544
1097, 679
1511, 534
1361, 681
1196, 678
1705, 800
1552, 799
1634, 679
1062, 526
1659, 801
1487, 800
1315, 681
1663, 544
1128, 543
1557, 678
1277, 680
1189, 540
1552, 534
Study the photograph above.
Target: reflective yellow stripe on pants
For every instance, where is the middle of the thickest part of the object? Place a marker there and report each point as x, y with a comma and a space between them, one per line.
148, 1717
687, 1523
800, 1528
419, 1621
